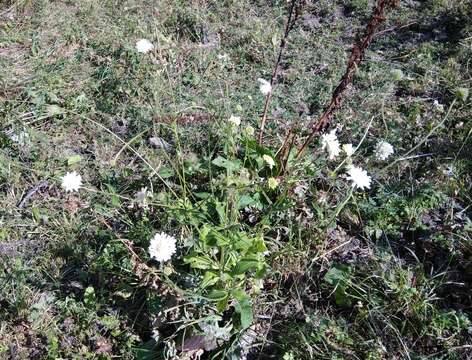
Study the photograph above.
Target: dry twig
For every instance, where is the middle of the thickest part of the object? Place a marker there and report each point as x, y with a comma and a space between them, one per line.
357, 55
292, 18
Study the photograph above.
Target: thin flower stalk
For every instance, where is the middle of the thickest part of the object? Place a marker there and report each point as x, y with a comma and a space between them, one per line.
283, 44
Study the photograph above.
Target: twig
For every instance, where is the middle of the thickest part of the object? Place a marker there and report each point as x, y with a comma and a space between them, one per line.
357, 55
395, 28
283, 44
38, 187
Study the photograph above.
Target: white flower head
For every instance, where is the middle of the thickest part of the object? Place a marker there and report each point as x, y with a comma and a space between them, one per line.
383, 150
268, 159
162, 247
359, 177
249, 130
300, 190
348, 149
223, 57
22, 138
438, 107
235, 120
273, 183
144, 46
330, 143
71, 181
264, 86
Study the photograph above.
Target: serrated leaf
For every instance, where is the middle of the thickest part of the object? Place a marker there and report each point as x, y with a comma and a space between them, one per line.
230, 165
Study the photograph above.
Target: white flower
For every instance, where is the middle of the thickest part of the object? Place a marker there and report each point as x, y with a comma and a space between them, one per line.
264, 86
273, 183
330, 143
235, 120
383, 150
269, 161
162, 247
213, 331
22, 138
142, 196
223, 57
300, 190
144, 46
438, 107
348, 149
71, 181
249, 130
359, 177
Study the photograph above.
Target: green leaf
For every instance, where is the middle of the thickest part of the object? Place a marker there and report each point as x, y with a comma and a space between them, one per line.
166, 172
209, 279
74, 160
220, 209
338, 273
222, 304
230, 165
245, 265
217, 295
89, 296
243, 307
259, 245
244, 201
200, 262
115, 201
202, 195
338, 276
36, 214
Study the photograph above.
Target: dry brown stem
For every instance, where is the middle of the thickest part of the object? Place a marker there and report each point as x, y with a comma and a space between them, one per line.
357, 55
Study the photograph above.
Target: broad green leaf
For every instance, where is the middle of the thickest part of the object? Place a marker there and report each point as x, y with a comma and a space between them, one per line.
245, 265
217, 295
243, 307
244, 201
230, 165
222, 304
336, 274
202, 195
74, 160
166, 172
209, 279
259, 245
200, 262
